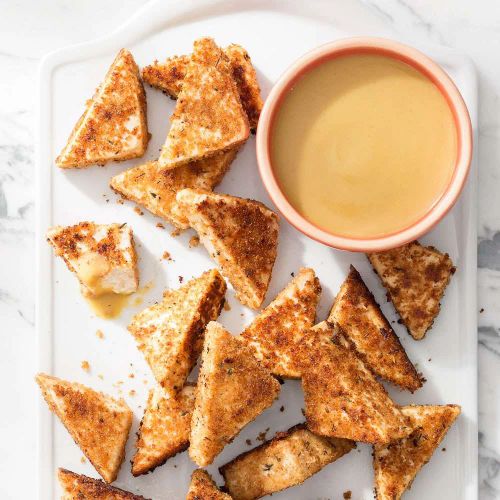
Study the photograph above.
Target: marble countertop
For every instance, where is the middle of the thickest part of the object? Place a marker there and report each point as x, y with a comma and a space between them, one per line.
29, 29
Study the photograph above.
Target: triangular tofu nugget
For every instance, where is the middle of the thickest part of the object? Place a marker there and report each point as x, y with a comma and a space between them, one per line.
275, 331
396, 464
415, 278
287, 460
342, 397
114, 125
98, 423
156, 190
241, 236
361, 319
101, 255
203, 487
164, 429
80, 487
233, 389
168, 76
170, 333
208, 117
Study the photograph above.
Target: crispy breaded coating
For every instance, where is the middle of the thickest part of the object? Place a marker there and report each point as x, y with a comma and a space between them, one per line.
114, 125
415, 278
396, 464
168, 76
287, 460
233, 389
342, 397
170, 333
361, 319
98, 423
208, 117
203, 487
156, 190
281, 324
79, 487
240, 235
164, 429
101, 255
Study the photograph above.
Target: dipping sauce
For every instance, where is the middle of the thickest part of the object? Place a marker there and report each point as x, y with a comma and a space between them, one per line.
363, 145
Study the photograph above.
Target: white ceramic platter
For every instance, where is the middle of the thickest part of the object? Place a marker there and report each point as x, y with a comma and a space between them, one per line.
274, 33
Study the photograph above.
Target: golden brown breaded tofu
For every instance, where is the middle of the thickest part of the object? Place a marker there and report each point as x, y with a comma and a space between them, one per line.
396, 464
203, 487
168, 76
233, 389
164, 429
79, 487
287, 460
415, 278
98, 423
114, 125
275, 331
208, 117
170, 333
240, 235
361, 319
155, 190
342, 397
101, 255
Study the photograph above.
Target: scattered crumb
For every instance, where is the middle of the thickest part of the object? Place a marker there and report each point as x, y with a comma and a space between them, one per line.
120, 201
443, 449
138, 211
160, 225
101, 376
181, 279
99, 334
166, 256
144, 381
400, 321
241, 314
194, 241
282, 409
131, 375
303, 412
83, 460
347, 494
481, 310
227, 307
248, 442
175, 233
131, 393
429, 360
262, 435
85, 366
292, 275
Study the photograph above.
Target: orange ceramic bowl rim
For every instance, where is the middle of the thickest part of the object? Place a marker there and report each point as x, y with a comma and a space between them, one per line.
401, 52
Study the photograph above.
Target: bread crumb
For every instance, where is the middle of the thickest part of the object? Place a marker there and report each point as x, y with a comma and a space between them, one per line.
443, 449
160, 225
144, 381
131, 393
347, 494
227, 307
181, 279
282, 409
166, 256
120, 201
101, 376
175, 233
85, 365
481, 310
248, 442
194, 241
131, 375
262, 435
83, 460
138, 211
99, 334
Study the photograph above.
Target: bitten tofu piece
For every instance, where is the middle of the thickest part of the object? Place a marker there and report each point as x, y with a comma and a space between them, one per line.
101, 255
396, 464
98, 423
415, 278
233, 389
361, 319
240, 235
342, 397
114, 125
156, 190
164, 429
275, 331
287, 460
80, 487
208, 117
203, 487
170, 333
169, 75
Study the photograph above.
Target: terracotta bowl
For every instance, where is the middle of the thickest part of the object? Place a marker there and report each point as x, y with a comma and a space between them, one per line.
403, 53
